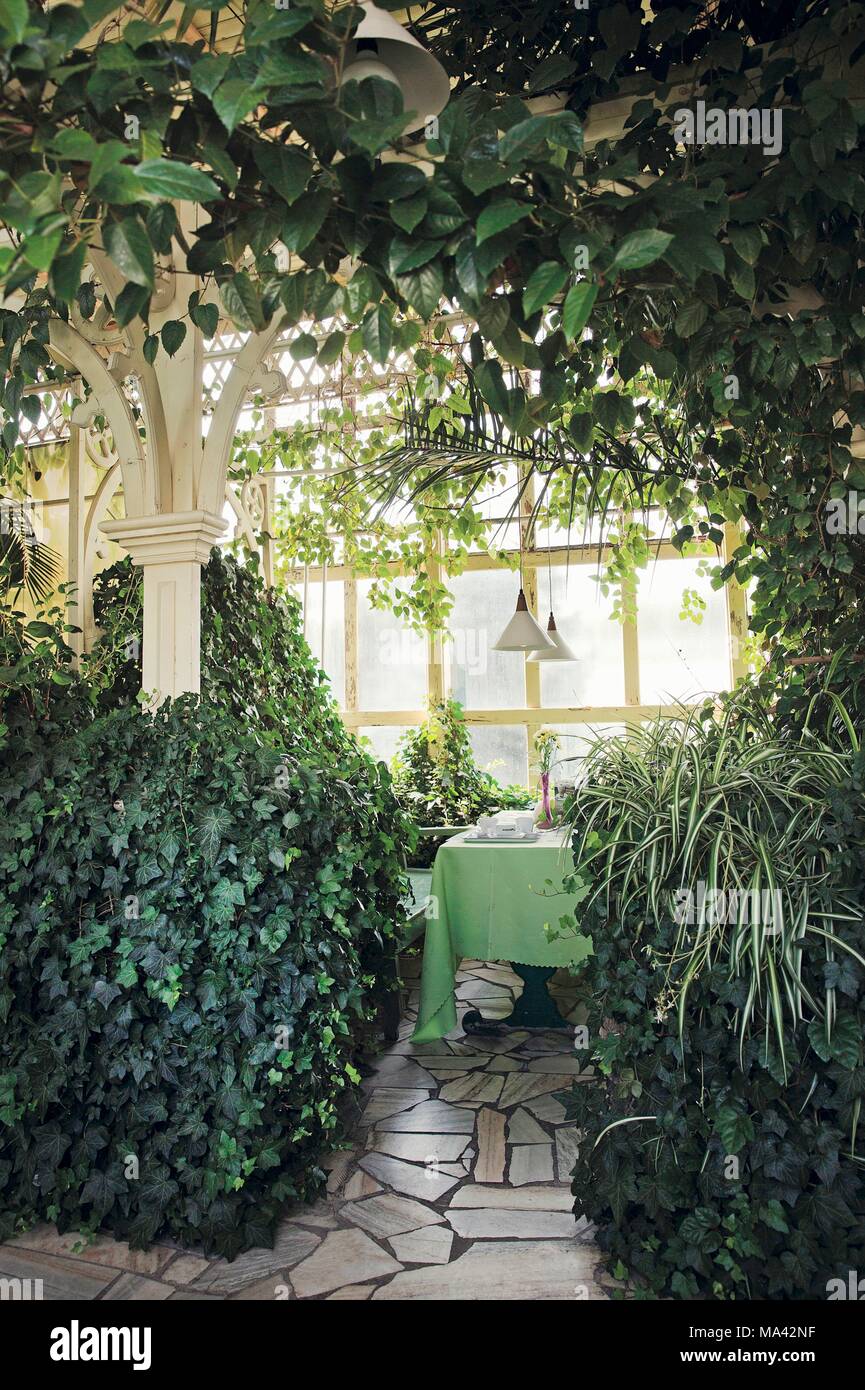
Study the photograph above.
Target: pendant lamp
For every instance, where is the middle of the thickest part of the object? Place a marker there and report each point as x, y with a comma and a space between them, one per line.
557, 648
522, 633
558, 651
382, 48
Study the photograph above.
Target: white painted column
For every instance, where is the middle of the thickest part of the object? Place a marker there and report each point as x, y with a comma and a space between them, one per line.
171, 549
77, 516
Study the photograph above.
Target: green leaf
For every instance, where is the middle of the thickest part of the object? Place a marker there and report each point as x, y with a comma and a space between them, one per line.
286, 170
577, 308
242, 302
544, 283
67, 272
747, 243
167, 178
13, 19
408, 212
691, 317
561, 128
734, 1127
492, 316
498, 217
423, 288
305, 219
378, 333
172, 335
128, 245
331, 349
206, 317
490, 380
233, 100
304, 346
641, 248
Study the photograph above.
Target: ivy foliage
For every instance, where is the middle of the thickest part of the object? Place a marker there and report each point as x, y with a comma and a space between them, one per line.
437, 780
722, 1152
197, 906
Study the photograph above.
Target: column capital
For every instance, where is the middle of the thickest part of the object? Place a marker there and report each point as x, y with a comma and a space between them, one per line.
167, 538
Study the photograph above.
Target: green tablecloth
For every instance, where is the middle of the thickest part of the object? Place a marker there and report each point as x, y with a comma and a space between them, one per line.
487, 902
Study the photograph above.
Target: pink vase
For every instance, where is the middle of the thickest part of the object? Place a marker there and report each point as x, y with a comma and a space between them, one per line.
545, 819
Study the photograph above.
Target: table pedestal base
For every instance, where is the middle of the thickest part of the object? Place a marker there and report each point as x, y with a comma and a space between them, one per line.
534, 1008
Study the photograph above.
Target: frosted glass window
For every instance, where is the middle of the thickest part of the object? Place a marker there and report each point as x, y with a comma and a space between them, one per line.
680, 659
501, 750
597, 677
332, 658
574, 742
391, 659
383, 741
484, 601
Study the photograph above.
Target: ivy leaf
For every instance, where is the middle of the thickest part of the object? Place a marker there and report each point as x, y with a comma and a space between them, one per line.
242, 302
734, 1128
543, 284
498, 217
128, 245
168, 178
378, 333
578, 305
172, 335
213, 825
641, 248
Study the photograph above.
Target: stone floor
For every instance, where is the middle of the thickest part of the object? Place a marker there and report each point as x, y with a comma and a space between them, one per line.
456, 1188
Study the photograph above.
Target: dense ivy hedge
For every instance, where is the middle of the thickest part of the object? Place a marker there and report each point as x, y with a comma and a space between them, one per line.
196, 906
254, 660
437, 780
666, 1117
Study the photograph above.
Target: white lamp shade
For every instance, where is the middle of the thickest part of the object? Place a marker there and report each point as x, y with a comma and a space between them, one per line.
424, 83
522, 633
368, 65
558, 651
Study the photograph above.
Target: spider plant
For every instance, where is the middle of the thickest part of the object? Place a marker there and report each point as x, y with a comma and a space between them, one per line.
719, 809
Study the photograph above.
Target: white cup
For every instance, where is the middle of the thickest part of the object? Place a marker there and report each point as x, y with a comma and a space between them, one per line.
524, 823
486, 826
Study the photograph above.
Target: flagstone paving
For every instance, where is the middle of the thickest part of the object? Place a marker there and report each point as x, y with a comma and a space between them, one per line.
455, 1186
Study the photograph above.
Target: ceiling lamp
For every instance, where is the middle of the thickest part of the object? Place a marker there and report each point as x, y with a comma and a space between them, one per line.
558, 651
557, 648
382, 48
522, 633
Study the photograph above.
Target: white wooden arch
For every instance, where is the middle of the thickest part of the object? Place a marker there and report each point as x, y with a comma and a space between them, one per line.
140, 482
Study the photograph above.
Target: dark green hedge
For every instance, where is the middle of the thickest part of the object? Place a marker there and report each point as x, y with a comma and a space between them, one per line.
671, 1213
192, 924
